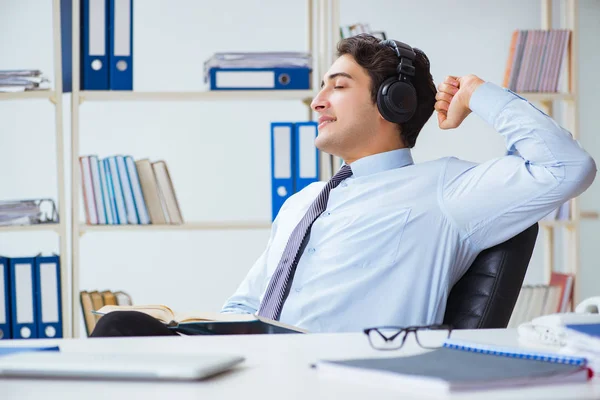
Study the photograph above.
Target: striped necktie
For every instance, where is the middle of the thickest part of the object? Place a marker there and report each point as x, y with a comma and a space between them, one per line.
280, 283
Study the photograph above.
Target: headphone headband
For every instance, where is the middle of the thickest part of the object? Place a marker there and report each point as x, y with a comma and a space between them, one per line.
405, 53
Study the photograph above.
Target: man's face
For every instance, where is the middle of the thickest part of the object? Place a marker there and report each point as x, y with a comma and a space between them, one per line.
348, 119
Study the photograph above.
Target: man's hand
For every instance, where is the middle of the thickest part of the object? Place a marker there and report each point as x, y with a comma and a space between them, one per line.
452, 99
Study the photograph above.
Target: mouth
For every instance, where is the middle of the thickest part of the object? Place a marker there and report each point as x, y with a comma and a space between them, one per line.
324, 122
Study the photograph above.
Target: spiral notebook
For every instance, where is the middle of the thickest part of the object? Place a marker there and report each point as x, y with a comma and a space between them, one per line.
461, 366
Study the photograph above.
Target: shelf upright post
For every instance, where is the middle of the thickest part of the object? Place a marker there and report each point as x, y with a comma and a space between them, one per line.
75, 173
57, 99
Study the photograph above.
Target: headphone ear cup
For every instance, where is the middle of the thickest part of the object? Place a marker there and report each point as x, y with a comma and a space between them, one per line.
396, 100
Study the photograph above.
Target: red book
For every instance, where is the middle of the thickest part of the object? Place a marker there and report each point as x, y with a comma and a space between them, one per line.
565, 282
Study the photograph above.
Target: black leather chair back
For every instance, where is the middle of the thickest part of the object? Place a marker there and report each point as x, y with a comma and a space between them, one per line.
486, 294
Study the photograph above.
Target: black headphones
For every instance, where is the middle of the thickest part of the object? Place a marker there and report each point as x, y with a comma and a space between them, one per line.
397, 97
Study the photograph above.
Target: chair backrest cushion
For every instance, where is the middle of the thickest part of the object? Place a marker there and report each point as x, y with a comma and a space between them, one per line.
486, 294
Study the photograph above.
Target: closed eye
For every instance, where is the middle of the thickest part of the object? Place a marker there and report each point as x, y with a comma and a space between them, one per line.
338, 87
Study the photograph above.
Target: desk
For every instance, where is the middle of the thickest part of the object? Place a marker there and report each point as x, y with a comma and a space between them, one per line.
276, 367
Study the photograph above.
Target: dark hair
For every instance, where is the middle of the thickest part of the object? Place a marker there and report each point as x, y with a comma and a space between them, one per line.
381, 62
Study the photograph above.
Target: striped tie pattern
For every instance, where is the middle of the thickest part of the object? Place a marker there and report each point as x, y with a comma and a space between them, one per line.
280, 283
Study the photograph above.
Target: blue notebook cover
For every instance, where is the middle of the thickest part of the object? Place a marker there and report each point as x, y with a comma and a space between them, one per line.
11, 350
592, 330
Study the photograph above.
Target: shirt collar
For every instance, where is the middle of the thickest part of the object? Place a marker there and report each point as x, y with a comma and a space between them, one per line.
381, 162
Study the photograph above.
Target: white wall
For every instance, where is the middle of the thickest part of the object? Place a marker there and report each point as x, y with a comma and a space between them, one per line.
218, 153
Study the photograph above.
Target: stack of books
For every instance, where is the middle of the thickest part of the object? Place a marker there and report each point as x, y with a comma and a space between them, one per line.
22, 80
92, 300
536, 60
118, 190
537, 300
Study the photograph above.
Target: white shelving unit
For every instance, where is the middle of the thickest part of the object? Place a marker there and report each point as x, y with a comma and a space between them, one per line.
319, 16
322, 35
54, 97
570, 229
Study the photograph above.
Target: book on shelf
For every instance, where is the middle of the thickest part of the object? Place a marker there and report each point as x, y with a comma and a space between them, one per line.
167, 192
118, 190
207, 323
93, 300
538, 300
536, 60
460, 366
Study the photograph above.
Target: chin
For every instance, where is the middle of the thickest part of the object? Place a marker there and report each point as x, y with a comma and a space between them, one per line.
323, 143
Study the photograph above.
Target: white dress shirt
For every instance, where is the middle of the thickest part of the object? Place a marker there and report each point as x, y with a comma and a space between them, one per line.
396, 236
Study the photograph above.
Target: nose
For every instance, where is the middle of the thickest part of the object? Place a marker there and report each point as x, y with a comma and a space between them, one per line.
320, 102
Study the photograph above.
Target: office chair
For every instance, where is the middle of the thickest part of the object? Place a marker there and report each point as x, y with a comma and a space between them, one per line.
486, 294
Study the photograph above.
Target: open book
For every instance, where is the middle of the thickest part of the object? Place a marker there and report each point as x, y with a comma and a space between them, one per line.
207, 323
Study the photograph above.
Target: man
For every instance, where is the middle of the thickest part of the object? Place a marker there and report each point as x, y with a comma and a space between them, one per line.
385, 240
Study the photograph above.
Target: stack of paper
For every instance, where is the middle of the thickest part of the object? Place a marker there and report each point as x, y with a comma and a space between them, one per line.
288, 59
22, 80
27, 212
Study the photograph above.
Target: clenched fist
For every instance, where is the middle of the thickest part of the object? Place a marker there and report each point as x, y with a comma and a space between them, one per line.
452, 99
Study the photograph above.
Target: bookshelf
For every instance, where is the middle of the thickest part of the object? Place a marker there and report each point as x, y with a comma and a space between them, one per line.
566, 103
318, 15
55, 97
570, 230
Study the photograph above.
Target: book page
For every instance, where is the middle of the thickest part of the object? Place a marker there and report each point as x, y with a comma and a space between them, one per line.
160, 312
198, 316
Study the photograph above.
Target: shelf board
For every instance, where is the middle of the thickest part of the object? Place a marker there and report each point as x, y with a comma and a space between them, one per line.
32, 94
25, 228
534, 96
554, 224
99, 95
589, 215
189, 226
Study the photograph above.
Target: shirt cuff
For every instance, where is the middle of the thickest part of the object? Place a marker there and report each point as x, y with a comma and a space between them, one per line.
489, 100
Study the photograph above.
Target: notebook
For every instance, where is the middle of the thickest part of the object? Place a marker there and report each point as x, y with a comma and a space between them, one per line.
584, 340
136, 366
461, 366
12, 350
589, 331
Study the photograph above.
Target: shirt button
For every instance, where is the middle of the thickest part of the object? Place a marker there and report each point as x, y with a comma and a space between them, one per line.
311, 250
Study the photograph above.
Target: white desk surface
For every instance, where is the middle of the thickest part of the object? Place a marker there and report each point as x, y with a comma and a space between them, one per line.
276, 367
